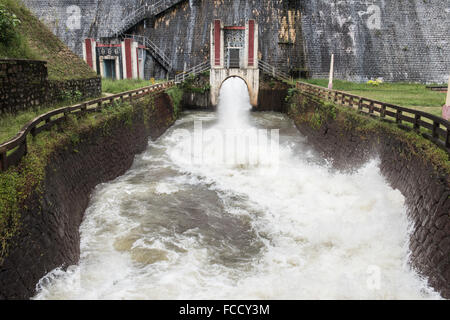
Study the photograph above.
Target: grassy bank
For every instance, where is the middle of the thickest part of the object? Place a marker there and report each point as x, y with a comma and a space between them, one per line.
10, 124
17, 184
318, 114
118, 86
410, 95
33, 40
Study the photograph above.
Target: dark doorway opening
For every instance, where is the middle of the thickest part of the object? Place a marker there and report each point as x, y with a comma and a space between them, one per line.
110, 68
234, 62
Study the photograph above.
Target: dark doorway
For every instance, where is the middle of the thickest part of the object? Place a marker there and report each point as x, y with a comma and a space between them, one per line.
110, 68
234, 62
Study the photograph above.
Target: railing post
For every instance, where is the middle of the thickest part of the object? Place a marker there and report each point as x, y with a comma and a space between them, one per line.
398, 116
416, 122
371, 107
3, 161
435, 127
383, 111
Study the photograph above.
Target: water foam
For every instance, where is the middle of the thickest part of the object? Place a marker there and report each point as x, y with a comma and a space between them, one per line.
174, 229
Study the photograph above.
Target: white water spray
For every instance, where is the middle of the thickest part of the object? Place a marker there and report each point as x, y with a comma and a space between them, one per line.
177, 229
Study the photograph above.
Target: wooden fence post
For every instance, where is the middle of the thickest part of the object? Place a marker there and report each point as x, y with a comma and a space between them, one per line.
435, 127
383, 111
416, 122
398, 118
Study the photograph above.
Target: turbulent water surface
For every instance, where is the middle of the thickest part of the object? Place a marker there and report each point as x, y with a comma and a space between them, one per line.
183, 226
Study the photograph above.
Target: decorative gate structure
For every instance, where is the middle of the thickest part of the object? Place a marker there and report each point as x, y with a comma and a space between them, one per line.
234, 52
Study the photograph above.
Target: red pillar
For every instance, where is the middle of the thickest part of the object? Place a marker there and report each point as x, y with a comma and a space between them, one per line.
129, 65
251, 43
89, 59
217, 42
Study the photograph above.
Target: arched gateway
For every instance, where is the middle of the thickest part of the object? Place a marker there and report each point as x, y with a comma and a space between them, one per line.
234, 53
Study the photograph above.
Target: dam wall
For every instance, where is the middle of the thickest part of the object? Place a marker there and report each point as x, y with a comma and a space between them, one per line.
389, 39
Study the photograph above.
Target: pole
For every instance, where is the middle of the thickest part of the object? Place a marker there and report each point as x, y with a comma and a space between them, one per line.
446, 107
330, 83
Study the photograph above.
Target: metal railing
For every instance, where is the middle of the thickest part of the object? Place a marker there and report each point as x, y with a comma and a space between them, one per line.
141, 13
432, 127
272, 71
12, 151
192, 72
162, 58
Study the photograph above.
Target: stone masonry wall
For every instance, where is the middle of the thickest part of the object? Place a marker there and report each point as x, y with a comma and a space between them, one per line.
426, 187
398, 40
24, 84
21, 84
183, 32
407, 40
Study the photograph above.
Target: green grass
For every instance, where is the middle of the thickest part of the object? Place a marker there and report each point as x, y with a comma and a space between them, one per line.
118, 86
316, 112
10, 124
35, 41
410, 95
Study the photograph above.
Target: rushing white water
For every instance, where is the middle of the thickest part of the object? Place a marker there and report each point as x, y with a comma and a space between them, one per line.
172, 228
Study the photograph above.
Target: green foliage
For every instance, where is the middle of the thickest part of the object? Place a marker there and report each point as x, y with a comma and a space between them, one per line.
70, 96
292, 92
16, 184
8, 25
197, 84
272, 83
176, 95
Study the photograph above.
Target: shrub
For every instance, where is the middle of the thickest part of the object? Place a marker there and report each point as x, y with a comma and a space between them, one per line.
8, 25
